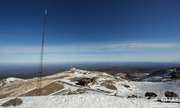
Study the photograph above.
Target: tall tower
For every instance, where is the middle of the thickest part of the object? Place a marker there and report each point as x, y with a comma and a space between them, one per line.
38, 92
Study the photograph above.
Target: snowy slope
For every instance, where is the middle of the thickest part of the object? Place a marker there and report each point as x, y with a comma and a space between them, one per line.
157, 76
61, 91
89, 101
9, 80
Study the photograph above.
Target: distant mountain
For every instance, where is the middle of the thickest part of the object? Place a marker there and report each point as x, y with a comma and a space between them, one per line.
162, 75
31, 70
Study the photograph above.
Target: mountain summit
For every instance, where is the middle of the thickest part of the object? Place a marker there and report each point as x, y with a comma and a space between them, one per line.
78, 88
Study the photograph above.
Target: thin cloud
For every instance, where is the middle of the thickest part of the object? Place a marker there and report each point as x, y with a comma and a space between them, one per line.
87, 48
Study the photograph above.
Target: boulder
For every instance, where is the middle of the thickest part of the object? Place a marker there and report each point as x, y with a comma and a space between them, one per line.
127, 86
12, 102
170, 94
150, 94
134, 96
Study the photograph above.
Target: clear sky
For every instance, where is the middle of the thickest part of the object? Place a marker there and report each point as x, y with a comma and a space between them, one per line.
90, 30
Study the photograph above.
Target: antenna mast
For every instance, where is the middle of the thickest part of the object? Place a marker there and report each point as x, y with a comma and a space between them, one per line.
38, 93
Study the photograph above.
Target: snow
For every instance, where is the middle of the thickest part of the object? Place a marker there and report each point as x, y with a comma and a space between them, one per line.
11, 79
154, 78
168, 72
158, 77
89, 101
158, 87
103, 88
94, 98
104, 100
66, 87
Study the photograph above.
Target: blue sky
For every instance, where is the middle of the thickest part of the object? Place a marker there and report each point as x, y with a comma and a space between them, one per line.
90, 30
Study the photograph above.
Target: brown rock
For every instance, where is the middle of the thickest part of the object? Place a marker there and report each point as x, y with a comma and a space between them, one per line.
170, 94
12, 102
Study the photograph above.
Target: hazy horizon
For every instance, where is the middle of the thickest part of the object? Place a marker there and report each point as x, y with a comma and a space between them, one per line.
28, 70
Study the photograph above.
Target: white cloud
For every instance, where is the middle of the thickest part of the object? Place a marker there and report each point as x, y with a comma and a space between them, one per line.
87, 48
93, 52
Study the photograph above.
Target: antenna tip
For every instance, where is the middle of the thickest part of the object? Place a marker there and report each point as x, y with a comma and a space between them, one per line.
46, 11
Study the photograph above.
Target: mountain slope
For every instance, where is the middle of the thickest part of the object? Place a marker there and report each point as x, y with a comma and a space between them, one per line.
63, 90
159, 75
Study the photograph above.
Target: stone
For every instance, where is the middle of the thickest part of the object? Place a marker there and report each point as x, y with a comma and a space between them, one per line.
170, 94
150, 94
12, 102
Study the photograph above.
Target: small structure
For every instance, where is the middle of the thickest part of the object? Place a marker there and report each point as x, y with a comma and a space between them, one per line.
72, 69
84, 81
87, 73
